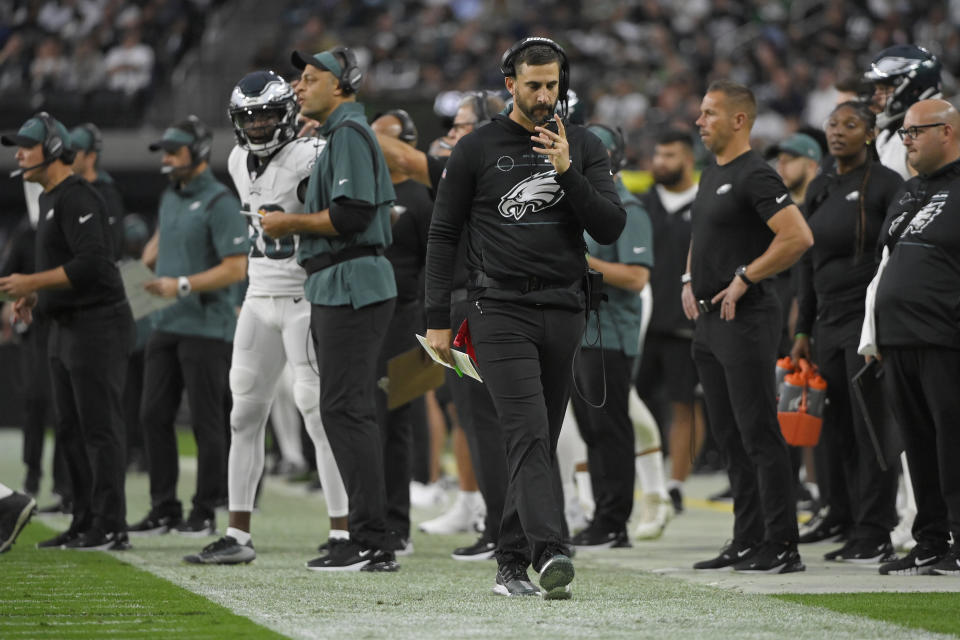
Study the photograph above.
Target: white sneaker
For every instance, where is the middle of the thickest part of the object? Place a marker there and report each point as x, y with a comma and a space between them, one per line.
575, 515
426, 496
902, 535
460, 517
655, 513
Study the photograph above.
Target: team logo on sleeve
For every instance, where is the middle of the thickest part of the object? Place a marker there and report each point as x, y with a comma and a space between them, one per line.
536, 193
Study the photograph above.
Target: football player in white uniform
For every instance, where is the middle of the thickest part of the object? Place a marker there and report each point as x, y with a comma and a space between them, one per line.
270, 167
901, 76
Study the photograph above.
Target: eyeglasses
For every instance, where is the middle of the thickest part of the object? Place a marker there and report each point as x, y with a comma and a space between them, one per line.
916, 130
462, 125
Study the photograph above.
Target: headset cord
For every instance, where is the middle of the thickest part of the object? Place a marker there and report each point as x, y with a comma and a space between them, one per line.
603, 366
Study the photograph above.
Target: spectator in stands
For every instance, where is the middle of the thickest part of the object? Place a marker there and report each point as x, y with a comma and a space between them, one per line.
48, 71
129, 64
86, 68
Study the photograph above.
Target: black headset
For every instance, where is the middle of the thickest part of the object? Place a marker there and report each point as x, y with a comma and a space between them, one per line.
508, 68
618, 155
53, 144
96, 137
350, 75
480, 107
202, 143
408, 129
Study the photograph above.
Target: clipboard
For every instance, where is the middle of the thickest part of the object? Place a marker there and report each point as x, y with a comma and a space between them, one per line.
883, 431
409, 376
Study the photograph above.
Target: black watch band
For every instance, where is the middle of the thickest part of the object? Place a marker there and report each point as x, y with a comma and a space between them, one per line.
741, 273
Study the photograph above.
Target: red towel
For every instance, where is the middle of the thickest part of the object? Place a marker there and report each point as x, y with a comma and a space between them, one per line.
463, 340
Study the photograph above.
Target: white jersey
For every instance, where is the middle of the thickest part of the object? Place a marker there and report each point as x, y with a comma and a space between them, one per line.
273, 268
892, 152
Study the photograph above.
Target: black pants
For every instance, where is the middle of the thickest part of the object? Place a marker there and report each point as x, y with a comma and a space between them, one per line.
396, 426
921, 384
735, 362
35, 376
132, 394
525, 353
870, 491
202, 365
480, 423
88, 363
348, 342
608, 434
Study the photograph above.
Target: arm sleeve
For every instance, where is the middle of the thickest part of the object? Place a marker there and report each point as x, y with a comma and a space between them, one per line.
82, 224
766, 192
228, 229
806, 295
350, 217
593, 197
450, 212
635, 244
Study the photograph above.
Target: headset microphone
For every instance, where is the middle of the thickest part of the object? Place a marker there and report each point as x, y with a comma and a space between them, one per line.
23, 170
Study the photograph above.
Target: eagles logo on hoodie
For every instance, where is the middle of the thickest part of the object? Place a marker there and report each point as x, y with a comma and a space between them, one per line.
530, 195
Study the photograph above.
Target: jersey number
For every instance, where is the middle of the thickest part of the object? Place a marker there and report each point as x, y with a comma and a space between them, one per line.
275, 249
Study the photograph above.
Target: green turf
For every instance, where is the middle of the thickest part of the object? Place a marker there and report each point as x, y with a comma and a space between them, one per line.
75, 594
937, 612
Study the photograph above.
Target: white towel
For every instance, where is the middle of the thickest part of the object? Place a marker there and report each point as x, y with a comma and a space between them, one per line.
868, 334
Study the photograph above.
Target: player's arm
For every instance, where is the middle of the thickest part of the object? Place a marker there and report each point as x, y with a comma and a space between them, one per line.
791, 238
632, 277
454, 200
403, 158
150, 250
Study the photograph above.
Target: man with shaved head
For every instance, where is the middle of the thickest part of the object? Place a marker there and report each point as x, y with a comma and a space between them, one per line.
917, 330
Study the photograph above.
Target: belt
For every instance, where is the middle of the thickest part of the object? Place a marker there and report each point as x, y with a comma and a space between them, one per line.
326, 260
478, 279
90, 312
707, 306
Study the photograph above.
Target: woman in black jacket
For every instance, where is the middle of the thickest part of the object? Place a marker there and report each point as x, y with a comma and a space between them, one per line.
845, 208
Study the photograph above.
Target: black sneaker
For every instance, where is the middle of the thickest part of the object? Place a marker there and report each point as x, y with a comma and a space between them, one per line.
594, 538
836, 553
772, 557
823, 528
512, 580
950, 564
197, 527
676, 497
154, 525
15, 512
226, 550
730, 555
57, 541
921, 560
556, 574
868, 552
98, 540
482, 549
348, 555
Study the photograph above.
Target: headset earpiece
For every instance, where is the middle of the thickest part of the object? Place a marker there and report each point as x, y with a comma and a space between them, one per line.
95, 136
53, 146
202, 143
480, 108
350, 76
618, 156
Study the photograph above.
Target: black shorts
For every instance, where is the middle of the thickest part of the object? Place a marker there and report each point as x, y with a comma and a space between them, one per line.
667, 362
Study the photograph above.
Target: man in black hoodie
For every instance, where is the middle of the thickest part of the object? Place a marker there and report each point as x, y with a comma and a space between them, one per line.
525, 194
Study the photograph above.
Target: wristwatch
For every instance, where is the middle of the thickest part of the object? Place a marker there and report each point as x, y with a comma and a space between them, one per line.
183, 286
741, 273
685, 278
